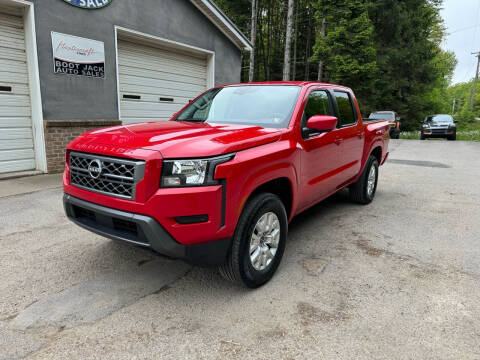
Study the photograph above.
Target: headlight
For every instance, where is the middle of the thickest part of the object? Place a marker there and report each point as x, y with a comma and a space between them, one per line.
191, 172
426, 126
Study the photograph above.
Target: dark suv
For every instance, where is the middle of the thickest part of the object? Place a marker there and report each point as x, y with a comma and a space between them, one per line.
439, 126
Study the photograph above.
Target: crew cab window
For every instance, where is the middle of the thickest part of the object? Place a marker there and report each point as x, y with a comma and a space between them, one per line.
318, 103
346, 112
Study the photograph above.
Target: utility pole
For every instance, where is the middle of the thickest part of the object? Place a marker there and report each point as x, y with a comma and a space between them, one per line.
475, 81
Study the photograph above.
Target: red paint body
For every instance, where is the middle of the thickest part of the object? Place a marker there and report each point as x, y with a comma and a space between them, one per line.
315, 168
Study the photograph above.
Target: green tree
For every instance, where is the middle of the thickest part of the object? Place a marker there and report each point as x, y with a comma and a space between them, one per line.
411, 64
348, 49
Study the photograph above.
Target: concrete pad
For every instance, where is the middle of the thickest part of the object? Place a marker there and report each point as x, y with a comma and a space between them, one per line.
93, 300
29, 184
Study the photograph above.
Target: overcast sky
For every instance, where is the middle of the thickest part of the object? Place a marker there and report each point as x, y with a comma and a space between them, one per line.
462, 19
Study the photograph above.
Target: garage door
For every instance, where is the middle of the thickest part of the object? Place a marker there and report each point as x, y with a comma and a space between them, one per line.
156, 82
16, 140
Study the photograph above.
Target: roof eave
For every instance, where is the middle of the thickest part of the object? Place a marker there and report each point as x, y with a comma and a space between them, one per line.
223, 23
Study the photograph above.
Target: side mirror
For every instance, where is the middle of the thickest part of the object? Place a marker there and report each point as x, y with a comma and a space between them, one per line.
322, 122
455, 121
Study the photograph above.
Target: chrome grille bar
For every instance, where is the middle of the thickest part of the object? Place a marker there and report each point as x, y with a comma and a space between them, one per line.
115, 177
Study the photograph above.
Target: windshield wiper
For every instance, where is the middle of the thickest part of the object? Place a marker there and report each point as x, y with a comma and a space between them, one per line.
190, 120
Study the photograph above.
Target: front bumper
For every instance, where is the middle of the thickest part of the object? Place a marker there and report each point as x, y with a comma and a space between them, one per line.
143, 231
438, 132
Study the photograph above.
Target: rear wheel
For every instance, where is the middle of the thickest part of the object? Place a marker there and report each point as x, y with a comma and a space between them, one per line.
258, 243
363, 191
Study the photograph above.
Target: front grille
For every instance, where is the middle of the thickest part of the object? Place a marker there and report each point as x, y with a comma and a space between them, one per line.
109, 176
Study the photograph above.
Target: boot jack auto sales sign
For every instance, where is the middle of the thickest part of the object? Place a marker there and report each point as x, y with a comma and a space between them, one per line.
73, 55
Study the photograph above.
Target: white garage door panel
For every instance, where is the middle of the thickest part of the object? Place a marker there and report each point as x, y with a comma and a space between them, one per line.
14, 111
12, 44
11, 134
156, 92
154, 64
150, 106
158, 115
14, 78
14, 100
161, 75
152, 73
155, 97
15, 122
7, 33
16, 138
11, 21
134, 50
11, 54
14, 66
16, 165
16, 144
9, 155
161, 84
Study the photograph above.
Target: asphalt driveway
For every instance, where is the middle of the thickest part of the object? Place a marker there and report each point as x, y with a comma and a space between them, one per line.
398, 279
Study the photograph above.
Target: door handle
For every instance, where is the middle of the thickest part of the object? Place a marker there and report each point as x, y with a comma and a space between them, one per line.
338, 140
360, 134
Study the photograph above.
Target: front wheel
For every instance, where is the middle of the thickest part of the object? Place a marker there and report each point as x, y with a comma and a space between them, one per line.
258, 242
363, 191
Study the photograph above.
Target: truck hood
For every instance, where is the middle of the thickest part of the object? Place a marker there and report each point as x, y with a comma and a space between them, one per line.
175, 139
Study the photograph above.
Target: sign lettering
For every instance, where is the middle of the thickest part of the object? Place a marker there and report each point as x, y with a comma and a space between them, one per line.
74, 55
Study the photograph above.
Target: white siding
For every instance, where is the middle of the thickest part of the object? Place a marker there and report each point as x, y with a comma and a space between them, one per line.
16, 138
152, 73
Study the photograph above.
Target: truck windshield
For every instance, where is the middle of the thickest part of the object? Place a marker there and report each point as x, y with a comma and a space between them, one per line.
447, 119
268, 106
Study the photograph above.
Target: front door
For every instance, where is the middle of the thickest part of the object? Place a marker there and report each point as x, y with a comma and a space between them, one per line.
320, 152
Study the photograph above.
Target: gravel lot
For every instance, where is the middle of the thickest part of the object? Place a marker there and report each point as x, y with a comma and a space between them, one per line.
398, 279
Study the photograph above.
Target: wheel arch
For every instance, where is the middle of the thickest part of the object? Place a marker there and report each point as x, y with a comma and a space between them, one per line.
280, 186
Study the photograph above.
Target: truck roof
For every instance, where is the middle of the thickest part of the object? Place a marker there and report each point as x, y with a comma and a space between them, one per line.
296, 83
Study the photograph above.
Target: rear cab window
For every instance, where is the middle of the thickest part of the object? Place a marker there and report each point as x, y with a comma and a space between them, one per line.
347, 114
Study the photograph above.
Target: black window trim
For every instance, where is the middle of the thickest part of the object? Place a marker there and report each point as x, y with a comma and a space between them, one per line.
352, 104
331, 101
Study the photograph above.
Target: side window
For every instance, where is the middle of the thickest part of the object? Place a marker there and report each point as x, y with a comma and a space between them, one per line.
346, 111
318, 103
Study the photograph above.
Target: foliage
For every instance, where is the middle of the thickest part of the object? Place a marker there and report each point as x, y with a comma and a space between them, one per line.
348, 48
387, 51
462, 94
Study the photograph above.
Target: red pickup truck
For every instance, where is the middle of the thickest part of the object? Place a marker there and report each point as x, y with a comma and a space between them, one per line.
218, 184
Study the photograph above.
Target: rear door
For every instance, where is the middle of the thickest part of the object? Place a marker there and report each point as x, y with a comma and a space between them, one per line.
349, 136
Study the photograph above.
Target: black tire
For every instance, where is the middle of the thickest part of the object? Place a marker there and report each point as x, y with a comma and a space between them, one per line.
359, 190
422, 137
452, 138
238, 267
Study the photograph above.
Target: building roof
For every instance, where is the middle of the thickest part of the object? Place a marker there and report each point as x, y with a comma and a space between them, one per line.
223, 23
